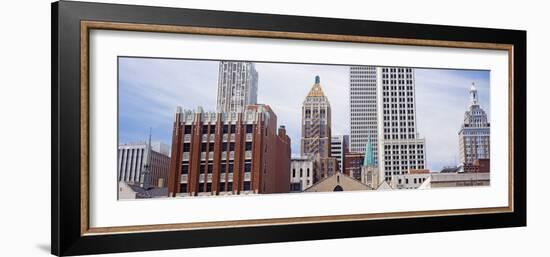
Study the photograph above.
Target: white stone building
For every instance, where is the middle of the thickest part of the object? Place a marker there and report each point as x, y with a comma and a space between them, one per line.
383, 108
400, 147
301, 174
363, 108
474, 135
237, 86
133, 161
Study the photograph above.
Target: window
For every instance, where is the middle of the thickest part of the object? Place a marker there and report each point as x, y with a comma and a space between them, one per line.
233, 129
229, 186
222, 186
248, 128
293, 172
186, 147
246, 186
248, 146
231, 146
184, 169
201, 187
210, 168
187, 129
208, 187
247, 167
212, 129
183, 188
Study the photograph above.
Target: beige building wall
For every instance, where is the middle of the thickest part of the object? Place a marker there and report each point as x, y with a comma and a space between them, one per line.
336, 182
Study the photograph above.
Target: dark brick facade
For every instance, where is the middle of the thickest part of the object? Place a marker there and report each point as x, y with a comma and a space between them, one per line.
229, 153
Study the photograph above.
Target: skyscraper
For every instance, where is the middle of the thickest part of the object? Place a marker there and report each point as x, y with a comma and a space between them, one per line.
400, 147
474, 135
316, 122
363, 109
383, 110
237, 86
316, 134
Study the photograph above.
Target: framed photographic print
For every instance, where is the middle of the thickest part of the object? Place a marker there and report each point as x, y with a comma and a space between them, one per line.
178, 128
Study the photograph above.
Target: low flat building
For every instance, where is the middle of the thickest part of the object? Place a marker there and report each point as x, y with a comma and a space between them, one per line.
459, 179
409, 180
301, 174
133, 161
130, 191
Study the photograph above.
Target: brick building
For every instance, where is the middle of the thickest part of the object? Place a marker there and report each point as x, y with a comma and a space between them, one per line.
229, 153
353, 163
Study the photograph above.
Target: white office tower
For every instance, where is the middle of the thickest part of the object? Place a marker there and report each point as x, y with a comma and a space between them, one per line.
400, 148
363, 109
237, 86
474, 135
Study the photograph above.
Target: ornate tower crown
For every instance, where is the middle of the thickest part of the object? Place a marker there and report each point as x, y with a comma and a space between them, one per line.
316, 90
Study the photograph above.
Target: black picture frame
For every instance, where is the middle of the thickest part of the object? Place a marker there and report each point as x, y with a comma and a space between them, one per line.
66, 236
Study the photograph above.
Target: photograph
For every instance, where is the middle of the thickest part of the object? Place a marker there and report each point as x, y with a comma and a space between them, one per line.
210, 128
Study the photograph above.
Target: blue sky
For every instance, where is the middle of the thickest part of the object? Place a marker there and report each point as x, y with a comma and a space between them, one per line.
150, 89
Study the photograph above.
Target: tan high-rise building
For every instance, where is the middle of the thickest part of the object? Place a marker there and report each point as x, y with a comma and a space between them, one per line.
316, 135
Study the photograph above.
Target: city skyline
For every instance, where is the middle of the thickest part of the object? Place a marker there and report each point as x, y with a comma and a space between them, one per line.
150, 89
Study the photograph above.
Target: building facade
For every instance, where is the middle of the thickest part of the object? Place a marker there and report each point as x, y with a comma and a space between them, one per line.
474, 135
229, 153
414, 179
237, 86
337, 182
400, 147
353, 163
363, 108
338, 148
139, 164
301, 174
316, 132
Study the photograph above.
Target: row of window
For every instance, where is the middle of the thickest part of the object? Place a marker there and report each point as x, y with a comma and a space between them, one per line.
224, 167
221, 187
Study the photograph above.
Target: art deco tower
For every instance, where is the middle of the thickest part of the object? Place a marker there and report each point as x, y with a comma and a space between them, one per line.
316, 122
474, 135
316, 134
237, 86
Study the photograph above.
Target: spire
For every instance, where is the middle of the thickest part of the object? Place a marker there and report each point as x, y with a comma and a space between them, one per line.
368, 161
146, 174
316, 90
473, 94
